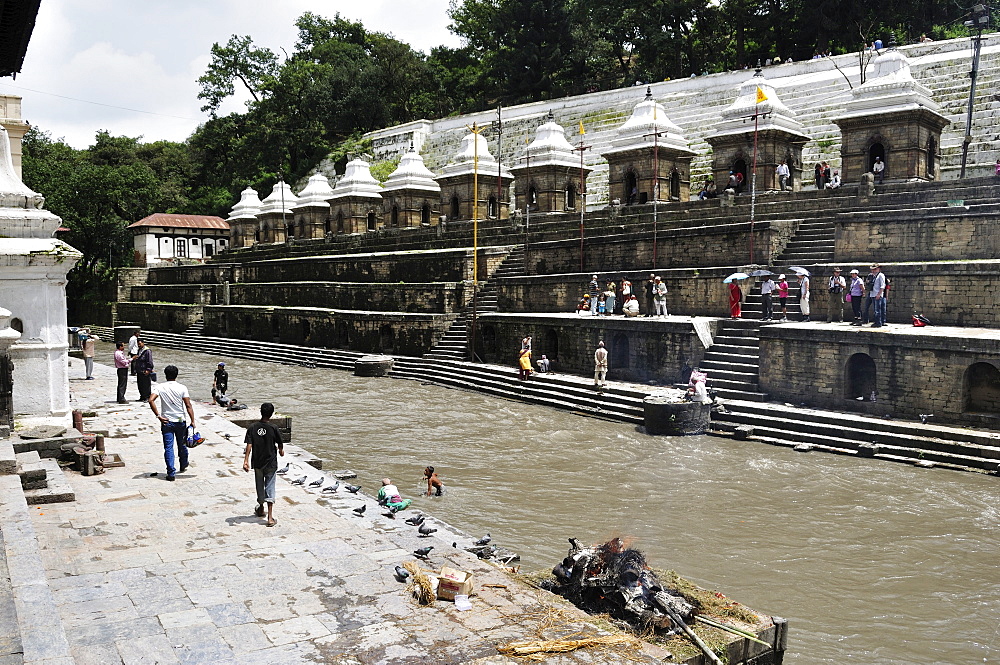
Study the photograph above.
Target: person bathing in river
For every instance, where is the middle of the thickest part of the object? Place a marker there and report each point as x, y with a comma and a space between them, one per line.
389, 496
434, 485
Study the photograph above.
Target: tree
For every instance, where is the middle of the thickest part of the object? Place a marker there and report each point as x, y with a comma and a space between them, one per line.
239, 60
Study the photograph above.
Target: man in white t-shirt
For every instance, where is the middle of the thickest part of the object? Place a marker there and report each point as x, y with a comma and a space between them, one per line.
174, 401
782, 172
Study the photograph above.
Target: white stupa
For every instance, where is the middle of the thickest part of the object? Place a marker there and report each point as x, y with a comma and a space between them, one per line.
357, 182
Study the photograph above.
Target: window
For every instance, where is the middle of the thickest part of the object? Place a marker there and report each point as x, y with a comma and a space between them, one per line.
455, 210
180, 250
425, 215
491, 207
570, 196
208, 249
372, 224
394, 216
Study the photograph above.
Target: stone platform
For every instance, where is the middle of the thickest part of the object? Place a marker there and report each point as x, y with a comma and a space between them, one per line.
143, 570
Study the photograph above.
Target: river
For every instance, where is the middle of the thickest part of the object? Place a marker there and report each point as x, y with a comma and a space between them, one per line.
872, 562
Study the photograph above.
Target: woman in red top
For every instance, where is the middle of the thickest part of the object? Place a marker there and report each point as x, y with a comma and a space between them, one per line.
735, 297
783, 297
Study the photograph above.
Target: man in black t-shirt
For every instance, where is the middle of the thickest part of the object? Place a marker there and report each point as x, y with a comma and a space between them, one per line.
264, 444
220, 380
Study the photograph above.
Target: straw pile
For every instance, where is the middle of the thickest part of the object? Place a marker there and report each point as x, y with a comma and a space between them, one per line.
420, 584
536, 649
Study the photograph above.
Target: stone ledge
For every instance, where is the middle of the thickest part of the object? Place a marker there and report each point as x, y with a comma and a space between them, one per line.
8, 460
57, 489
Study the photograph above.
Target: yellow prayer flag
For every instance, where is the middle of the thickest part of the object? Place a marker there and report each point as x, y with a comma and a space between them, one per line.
761, 97
581, 128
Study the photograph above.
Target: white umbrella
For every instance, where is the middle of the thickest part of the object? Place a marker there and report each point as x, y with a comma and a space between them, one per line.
735, 276
800, 271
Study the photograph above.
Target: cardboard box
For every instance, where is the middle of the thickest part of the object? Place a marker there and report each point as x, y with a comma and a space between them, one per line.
453, 582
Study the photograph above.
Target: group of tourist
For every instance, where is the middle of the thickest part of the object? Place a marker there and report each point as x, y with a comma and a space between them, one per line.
614, 297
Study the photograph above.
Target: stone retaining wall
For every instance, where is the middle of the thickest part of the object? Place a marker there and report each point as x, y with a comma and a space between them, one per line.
937, 234
167, 317
639, 349
916, 370
440, 298
199, 294
367, 332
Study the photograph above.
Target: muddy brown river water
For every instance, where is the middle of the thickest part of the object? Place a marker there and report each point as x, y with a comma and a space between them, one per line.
872, 562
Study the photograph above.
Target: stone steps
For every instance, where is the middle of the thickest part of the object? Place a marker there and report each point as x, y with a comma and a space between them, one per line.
56, 490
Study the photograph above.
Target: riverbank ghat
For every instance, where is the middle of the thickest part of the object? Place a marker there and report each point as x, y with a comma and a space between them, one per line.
138, 569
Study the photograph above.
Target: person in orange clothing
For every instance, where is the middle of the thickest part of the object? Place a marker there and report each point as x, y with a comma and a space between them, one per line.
524, 364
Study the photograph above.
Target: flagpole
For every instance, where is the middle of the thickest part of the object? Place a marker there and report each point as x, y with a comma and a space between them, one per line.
583, 193
761, 97
475, 129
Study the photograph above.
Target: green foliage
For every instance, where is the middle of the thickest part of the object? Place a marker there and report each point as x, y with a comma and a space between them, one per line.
239, 60
382, 170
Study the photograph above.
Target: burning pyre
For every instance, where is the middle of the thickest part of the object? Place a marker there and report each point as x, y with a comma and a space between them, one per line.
613, 578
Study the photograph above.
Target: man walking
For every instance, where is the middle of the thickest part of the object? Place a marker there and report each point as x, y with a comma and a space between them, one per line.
174, 401
220, 380
264, 445
878, 296
144, 371
121, 366
766, 289
836, 288
600, 365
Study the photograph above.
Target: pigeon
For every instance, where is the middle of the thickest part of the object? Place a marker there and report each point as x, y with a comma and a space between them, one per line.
455, 545
402, 573
425, 530
924, 417
332, 488
227, 436
361, 511
353, 489
416, 520
485, 540
283, 470
299, 481
423, 551
317, 482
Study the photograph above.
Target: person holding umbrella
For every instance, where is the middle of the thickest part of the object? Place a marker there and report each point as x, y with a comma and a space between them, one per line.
766, 289
735, 293
804, 294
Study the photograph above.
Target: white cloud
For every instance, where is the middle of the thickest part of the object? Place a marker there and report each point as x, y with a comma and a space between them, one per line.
147, 56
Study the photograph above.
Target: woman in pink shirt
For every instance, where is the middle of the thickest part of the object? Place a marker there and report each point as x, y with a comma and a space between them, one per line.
783, 297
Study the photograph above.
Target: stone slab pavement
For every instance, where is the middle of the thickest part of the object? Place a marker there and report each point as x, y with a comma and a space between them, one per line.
148, 571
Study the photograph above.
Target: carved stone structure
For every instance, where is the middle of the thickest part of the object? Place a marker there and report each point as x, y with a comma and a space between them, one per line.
276, 213
10, 118
548, 179
893, 117
356, 202
649, 157
312, 212
780, 136
33, 267
457, 182
411, 196
243, 225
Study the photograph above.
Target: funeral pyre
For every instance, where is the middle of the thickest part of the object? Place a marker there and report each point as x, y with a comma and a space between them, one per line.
613, 578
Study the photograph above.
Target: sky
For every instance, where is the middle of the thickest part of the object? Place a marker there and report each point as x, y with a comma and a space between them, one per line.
131, 66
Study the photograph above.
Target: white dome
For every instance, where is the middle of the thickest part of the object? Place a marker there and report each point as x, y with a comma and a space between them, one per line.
464, 161
648, 118
317, 192
280, 200
411, 174
248, 205
889, 88
772, 112
357, 181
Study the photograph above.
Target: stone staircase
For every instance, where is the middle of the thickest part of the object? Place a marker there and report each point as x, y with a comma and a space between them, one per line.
862, 436
195, 328
454, 344
733, 361
33, 461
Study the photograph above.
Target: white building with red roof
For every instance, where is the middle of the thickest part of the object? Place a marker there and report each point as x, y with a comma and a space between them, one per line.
169, 237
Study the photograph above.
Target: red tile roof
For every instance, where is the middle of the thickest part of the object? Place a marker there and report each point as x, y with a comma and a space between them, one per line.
182, 221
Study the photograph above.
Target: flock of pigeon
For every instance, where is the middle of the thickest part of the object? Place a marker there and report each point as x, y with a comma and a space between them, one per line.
423, 530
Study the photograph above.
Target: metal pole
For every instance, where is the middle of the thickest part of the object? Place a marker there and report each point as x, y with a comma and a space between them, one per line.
753, 185
527, 210
583, 201
656, 185
475, 234
977, 40
499, 152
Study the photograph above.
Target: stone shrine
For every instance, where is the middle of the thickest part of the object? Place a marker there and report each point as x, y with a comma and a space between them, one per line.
411, 196
276, 213
649, 158
312, 212
458, 180
33, 267
356, 202
550, 177
243, 229
894, 118
780, 136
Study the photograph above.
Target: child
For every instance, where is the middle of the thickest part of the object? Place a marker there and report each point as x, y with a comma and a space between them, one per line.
388, 496
263, 439
434, 485
601, 304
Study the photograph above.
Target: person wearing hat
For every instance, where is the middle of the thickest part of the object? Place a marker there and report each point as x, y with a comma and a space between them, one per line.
836, 286
783, 296
595, 291
220, 381
856, 292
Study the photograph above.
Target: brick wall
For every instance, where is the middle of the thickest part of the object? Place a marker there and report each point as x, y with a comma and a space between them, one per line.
934, 234
439, 298
199, 294
915, 372
158, 316
640, 350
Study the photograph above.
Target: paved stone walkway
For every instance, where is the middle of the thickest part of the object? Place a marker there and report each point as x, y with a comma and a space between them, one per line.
148, 571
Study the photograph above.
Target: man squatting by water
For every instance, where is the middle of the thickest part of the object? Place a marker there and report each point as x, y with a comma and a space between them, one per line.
264, 445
